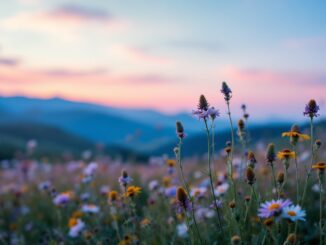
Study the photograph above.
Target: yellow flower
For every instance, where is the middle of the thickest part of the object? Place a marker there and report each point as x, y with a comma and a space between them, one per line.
133, 191
171, 163
319, 166
296, 135
113, 196
286, 154
72, 222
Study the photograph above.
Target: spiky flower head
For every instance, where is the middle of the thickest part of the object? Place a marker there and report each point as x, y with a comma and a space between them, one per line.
226, 91
241, 129
270, 153
203, 104
311, 109
180, 130
250, 174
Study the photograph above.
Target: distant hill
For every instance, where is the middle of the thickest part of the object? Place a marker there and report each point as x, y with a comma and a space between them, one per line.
143, 130
52, 143
263, 134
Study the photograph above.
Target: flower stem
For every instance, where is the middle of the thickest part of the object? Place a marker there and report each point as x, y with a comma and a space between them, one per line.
320, 208
210, 174
187, 190
312, 160
231, 153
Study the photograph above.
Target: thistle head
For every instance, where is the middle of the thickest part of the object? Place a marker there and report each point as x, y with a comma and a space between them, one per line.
180, 130
226, 91
241, 125
203, 104
311, 109
270, 154
182, 196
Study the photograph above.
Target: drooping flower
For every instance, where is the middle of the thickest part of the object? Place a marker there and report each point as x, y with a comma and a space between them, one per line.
133, 191
75, 227
124, 179
90, 208
311, 109
273, 208
226, 91
294, 213
295, 135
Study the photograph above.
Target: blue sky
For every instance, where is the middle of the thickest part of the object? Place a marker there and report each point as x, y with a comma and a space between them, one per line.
164, 54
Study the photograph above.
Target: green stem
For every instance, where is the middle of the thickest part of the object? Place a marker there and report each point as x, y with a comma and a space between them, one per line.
274, 178
320, 208
188, 191
312, 160
231, 153
210, 174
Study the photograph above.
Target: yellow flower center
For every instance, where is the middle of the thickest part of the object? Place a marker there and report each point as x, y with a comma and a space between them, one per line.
274, 206
291, 213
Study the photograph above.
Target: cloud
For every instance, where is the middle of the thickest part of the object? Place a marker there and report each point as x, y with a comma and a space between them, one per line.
142, 55
254, 76
63, 19
79, 14
9, 61
63, 72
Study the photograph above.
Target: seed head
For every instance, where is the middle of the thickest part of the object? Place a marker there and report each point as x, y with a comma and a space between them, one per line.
226, 91
280, 178
203, 104
180, 130
250, 176
270, 154
232, 204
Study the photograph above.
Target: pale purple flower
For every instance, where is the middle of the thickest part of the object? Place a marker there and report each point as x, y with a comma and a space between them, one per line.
311, 109
273, 208
211, 112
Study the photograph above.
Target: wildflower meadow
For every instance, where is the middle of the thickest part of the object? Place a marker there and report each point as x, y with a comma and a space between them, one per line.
238, 195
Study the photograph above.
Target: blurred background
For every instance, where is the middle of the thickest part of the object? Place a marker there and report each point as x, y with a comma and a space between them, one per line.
112, 77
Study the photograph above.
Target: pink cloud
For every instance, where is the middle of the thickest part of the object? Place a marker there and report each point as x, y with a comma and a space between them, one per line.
141, 55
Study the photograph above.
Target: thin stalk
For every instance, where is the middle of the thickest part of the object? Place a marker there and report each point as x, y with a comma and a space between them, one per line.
274, 178
231, 153
296, 172
210, 174
312, 160
188, 191
320, 208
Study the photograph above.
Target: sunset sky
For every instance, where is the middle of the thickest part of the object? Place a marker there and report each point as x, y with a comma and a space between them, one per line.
164, 54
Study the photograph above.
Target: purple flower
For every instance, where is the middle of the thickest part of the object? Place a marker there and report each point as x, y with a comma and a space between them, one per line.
311, 109
211, 112
273, 208
184, 206
124, 181
226, 91
218, 204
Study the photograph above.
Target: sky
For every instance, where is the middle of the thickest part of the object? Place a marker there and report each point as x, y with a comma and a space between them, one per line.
163, 54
